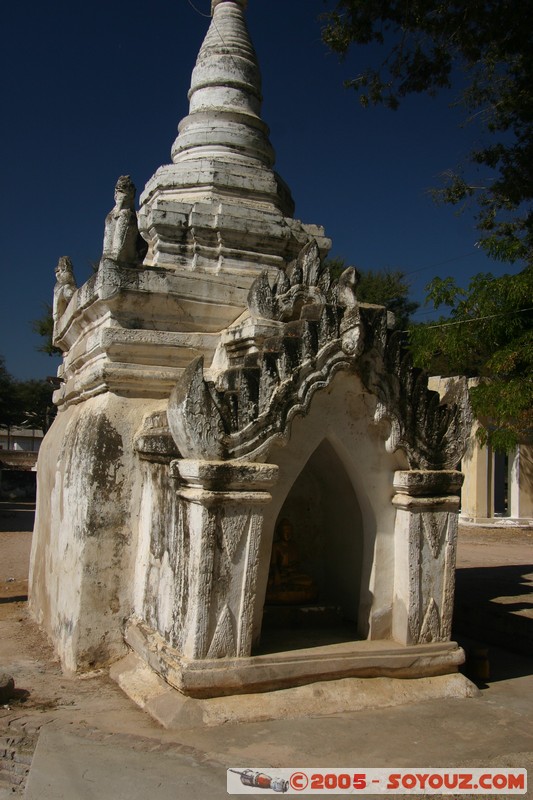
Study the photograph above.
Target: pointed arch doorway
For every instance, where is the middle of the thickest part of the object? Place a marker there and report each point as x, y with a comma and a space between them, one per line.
323, 520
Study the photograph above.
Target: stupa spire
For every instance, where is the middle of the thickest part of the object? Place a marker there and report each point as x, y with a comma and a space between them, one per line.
214, 3
220, 207
225, 95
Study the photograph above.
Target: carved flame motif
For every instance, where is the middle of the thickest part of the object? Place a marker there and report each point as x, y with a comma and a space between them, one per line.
434, 526
194, 418
315, 327
300, 293
234, 526
233, 530
223, 641
432, 434
430, 630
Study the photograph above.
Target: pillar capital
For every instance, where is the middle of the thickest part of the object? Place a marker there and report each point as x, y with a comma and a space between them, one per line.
428, 483
224, 476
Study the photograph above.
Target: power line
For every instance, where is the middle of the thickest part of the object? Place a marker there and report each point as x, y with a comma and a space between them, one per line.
441, 263
475, 319
208, 16
423, 313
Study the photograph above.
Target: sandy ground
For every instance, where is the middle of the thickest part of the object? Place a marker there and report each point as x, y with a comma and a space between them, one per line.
16, 524
491, 547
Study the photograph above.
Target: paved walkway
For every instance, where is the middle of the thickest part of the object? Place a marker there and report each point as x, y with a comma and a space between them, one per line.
90, 741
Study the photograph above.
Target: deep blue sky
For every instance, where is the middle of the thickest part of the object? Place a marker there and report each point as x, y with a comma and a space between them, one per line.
95, 90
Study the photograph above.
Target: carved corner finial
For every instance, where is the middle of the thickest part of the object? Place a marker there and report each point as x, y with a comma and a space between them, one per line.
65, 286
346, 288
65, 271
194, 419
300, 292
126, 186
123, 243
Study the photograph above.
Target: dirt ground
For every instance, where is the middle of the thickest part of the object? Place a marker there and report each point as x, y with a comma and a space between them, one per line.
489, 547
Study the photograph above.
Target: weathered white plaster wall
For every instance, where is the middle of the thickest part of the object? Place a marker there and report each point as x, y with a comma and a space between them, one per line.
484, 483
84, 543
477, 496
156, 564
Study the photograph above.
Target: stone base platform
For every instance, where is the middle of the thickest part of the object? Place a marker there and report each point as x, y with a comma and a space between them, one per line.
174, 710
215, 677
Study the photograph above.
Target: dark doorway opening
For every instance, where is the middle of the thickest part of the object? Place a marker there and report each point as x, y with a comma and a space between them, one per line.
315, 575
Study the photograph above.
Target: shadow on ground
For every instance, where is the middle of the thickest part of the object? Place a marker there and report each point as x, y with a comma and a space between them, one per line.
494, 606
16, 516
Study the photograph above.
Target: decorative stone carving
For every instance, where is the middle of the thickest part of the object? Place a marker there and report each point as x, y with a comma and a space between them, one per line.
321, 328
434, 527
431, 626
175, 525
299, 293
194, 418
123, 243
223, 642
154, 441
425, 543
65, 286
220, 530
433, 435
192, 210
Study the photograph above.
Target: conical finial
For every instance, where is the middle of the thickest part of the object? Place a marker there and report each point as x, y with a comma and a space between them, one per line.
215, 3
225, 94
220, 201
223, 144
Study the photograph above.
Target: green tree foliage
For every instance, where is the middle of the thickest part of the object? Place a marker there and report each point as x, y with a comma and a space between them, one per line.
44, 326
488, 335
25, 404
483, 48
385, 287
10, 411
35, 399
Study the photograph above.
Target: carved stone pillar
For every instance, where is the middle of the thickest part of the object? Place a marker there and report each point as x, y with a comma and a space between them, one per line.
478, 489
425, 536
521, 482
221, 517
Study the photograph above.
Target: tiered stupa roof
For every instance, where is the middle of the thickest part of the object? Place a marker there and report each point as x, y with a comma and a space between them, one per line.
220, 205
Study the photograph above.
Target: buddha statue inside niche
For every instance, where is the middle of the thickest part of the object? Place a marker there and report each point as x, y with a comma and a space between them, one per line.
287, 584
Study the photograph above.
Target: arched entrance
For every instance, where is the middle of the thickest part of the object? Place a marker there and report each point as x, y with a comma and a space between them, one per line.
325, 525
